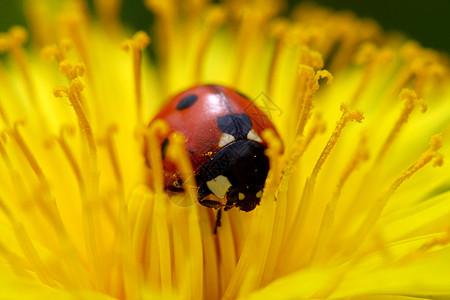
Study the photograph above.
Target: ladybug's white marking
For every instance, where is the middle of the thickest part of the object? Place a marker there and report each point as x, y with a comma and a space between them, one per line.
225, 139
241, 196
259, 194
219, 186
252, 135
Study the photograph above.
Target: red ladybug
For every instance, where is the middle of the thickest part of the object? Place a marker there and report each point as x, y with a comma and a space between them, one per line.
223, 137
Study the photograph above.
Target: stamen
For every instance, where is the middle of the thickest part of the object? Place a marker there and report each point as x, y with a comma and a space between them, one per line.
67, 150
160, 240
263, 231
49, 208
308, 192
347, 116
154, 133
73, 93
352, 33
308, 85
74, 21
360, 155
114, 159
273, 184
251, 17
419, 68
28, 247
372, 58
278, 30
177, 152
214, 18
294, 153
132, 281
72, 70
58, 52
13, 42
39, 20
8, 163
377, 208
3, 114
109, 13
136, 45
442, 239
166, 14
28, 155
301, 143
411, 102
17, 264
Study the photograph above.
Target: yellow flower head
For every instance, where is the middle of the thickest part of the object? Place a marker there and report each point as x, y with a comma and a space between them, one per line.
353, 206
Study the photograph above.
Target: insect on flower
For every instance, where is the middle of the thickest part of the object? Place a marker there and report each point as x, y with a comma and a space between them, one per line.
224, 142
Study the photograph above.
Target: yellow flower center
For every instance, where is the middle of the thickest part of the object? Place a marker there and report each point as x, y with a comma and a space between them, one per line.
83, 213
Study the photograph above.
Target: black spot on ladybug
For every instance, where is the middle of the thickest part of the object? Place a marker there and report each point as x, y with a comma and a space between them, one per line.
187, 102
238, 125
164, 145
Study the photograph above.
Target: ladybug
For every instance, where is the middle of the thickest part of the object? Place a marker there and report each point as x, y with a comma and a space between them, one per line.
222, 130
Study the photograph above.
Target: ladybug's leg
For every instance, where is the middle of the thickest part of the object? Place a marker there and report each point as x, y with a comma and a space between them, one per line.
218, 223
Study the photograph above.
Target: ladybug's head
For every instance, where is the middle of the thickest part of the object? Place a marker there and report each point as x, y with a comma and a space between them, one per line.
238, 172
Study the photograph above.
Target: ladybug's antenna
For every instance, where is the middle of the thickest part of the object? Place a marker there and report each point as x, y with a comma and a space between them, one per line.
218, 217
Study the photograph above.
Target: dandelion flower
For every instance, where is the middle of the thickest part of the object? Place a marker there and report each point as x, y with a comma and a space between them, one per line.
357, 206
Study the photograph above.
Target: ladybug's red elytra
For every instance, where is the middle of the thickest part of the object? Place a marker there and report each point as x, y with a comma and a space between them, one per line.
222, 130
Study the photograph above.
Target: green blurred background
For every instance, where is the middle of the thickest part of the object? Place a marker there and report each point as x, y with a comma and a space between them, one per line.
425, 21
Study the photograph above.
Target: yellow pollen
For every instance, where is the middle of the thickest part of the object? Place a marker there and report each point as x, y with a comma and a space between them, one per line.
73, 93
347, 116
411, 102
419, 69
58, 52
308, 84
74, 22
136, 45
372, 57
